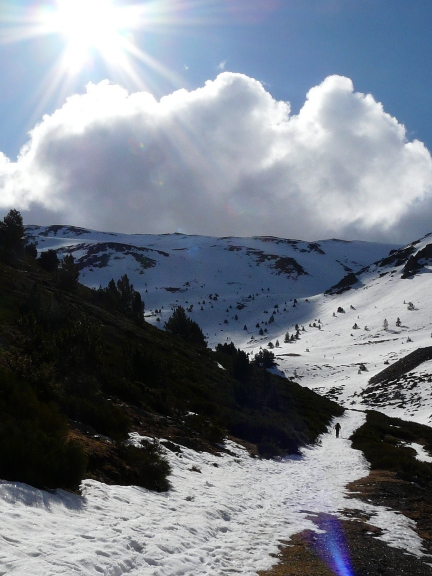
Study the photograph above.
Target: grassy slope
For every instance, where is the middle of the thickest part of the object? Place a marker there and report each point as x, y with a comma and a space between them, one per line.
91, 372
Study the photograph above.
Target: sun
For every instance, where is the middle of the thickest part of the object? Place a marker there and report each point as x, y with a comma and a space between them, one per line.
95, 37
89, 25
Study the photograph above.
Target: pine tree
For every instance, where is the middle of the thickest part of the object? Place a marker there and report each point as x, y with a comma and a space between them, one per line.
188, 330
137, 308
265, 359
31, 249
126, 291
48, 260
11, 236
68, 273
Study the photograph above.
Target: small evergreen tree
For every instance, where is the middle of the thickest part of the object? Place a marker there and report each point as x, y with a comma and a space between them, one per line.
11, 236
265, 359
180, 325
287, 338
137, 308
398, 322
31, 249
385, 324
48, 260
126, 291
68, 273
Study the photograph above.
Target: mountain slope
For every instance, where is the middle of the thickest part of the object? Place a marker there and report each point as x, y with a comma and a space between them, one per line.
210, 275
76, 365
252, 291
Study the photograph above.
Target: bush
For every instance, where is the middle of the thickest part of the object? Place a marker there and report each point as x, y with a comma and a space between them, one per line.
33, 440
148, 467
382, 439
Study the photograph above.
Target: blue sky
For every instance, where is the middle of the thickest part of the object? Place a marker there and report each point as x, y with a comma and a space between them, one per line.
290, 46
384, 46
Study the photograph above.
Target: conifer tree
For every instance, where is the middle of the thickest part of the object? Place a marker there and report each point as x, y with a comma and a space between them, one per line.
11, 236
68, 273
180, 325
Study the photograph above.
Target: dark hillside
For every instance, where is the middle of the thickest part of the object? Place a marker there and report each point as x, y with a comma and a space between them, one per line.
74, 375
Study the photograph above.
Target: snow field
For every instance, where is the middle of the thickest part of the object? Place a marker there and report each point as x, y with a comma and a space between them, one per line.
223, 515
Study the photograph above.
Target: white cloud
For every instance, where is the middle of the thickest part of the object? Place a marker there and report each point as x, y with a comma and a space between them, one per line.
224, 159
221, 65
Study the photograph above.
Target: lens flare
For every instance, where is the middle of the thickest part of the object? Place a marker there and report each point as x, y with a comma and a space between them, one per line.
330, 545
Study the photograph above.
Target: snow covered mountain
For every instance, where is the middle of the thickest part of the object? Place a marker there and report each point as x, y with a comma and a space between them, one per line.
366, 342
253, 291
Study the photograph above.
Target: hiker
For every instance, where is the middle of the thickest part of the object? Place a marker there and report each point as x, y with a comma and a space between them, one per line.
337, 428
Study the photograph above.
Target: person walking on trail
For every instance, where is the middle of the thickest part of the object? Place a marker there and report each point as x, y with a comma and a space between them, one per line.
337, 428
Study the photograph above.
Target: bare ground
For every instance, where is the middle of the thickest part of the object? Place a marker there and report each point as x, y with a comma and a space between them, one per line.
350, 547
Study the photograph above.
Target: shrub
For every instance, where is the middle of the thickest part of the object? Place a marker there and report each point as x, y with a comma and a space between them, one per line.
33, 440
381, 440
148, 467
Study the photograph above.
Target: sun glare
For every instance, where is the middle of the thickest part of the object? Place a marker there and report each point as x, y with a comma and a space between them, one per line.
96, 36
87, 25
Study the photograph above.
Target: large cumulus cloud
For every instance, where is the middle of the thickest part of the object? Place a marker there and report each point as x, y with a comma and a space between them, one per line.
224, 159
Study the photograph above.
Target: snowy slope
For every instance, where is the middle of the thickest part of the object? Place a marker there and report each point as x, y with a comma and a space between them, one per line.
176, 269
225, 518
330, 360
236, 288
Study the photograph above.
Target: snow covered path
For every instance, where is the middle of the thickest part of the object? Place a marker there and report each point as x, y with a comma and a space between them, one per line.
224, 515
